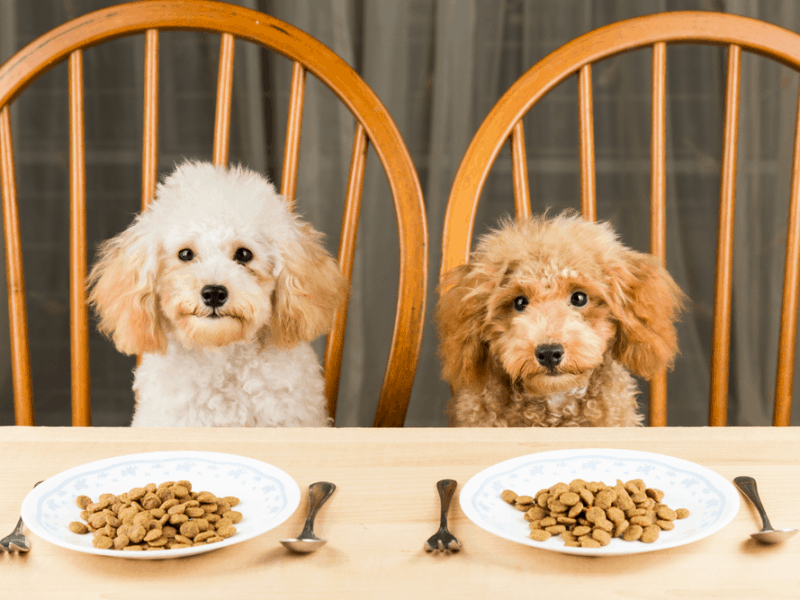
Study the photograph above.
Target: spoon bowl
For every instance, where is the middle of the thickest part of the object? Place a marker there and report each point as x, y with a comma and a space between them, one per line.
768, 534
773, 536
304, 546
318, 494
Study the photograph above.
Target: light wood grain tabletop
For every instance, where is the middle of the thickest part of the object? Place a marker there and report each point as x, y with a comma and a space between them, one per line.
386, 506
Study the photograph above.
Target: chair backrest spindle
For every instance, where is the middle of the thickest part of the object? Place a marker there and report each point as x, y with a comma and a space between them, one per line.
347, 247
720, 351
519, 172
79, 314
658, 206
222, 122
15, 279
586, 119
789, 305
294, 126
150, 134
658, 154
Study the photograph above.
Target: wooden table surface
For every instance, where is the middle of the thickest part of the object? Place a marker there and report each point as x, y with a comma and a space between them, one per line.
386, 506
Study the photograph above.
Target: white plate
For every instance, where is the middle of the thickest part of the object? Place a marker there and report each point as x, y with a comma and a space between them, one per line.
710, 498
268, 495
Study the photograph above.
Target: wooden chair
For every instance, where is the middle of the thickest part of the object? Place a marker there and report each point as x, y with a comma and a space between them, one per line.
374, 125
653, 31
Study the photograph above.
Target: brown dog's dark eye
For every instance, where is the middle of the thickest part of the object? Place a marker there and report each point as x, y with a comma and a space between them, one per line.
243, 255
578, 299
186, 255
520, 302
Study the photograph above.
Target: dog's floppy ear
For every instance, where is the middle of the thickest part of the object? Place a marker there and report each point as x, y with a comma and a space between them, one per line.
645, 301
460, 314
309, 289
122, 290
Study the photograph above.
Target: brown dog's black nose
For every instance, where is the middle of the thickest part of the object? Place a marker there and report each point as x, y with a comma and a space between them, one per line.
549, 355
214, 295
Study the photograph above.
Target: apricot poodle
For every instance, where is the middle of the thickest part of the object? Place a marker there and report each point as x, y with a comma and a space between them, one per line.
542, 326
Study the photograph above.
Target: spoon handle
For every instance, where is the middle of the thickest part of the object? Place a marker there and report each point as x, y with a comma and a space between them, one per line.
318, 494
749, 488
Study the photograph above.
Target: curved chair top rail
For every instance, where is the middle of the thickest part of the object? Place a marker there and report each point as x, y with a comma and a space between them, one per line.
632, 34
376, 125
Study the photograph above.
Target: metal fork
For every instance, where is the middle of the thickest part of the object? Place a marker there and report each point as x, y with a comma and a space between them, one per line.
17, 540
443, 539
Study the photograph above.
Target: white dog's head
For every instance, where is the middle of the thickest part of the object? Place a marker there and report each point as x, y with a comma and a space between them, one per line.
217, 258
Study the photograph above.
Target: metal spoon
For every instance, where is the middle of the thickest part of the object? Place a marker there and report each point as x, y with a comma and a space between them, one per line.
767, 535
306, 542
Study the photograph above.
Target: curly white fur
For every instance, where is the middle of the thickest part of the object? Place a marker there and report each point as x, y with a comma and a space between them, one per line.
245, 361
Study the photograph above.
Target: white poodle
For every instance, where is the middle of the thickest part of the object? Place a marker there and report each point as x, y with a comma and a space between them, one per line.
219, 287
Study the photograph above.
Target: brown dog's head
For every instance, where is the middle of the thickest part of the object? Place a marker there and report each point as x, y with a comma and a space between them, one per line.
545, 300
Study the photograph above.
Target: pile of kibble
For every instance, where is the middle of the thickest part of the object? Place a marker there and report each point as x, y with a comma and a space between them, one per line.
588, 514
157, 517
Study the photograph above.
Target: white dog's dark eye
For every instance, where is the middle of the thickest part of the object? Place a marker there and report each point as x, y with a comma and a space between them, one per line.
243, 255
520, 302
578, 299
186, 255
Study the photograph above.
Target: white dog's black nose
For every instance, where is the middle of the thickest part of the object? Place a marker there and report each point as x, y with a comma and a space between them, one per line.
214, 295
549, 355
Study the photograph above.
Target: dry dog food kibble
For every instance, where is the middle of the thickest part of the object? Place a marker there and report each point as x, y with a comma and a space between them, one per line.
157, 517
78, 527
588, 514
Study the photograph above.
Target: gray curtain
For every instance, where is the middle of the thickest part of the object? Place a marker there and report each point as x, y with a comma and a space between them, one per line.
439, 66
